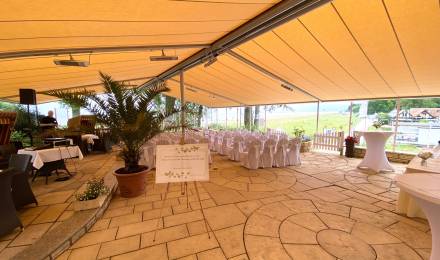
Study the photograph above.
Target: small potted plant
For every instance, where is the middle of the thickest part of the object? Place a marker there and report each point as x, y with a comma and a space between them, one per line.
306, 142
377, 124
424, 155
92, 196
133, 119
350, 142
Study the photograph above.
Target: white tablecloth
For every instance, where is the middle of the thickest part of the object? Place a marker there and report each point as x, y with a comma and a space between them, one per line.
89, 138
425, 188
375, 156
39, 157
406, 204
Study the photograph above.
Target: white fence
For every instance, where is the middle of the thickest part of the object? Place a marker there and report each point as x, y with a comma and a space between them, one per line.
333, 141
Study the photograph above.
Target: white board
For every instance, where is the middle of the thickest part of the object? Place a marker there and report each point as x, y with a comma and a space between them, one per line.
182, 163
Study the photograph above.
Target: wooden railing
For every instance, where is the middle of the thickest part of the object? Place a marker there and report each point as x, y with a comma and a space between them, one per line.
333, 141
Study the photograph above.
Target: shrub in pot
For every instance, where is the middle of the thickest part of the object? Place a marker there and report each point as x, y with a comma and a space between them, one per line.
133, 119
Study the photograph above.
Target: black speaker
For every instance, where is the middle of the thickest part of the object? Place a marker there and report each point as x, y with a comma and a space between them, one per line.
28, 96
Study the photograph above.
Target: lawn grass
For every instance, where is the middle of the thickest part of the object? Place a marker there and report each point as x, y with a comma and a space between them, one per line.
336, 121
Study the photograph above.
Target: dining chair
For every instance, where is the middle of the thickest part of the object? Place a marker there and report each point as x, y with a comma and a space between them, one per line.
21, 190
9, 218
293, 152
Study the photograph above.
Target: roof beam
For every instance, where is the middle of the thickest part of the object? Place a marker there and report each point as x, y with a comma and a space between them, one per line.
80, 86
269, 74
86, 50
209, 92
280, 13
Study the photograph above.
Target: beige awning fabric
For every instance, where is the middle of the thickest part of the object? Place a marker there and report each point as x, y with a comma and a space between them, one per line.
35, 26
343, 50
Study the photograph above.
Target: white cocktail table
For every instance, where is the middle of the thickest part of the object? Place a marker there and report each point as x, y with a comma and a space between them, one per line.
406, 204
425, 188
375, 157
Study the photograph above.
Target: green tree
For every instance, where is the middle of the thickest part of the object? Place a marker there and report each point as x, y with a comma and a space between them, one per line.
247, 117
420, 103
257, 117
381, 106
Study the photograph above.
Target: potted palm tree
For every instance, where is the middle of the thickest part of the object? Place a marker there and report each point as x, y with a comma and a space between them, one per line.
133, 119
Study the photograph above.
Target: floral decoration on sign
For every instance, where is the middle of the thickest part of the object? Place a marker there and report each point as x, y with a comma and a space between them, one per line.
187, 150
177, 175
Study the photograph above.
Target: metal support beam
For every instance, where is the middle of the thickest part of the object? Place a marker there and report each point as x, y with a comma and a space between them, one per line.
270, 74
86, 50
350, 123
317, 116
209, 92
182, 107
279, 14
396, 125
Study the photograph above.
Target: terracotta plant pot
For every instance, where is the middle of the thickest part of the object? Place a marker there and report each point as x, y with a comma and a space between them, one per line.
349, 149
132, 184
305, 147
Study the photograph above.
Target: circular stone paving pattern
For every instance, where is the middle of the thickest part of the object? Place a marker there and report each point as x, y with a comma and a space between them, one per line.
302, 229
242, 179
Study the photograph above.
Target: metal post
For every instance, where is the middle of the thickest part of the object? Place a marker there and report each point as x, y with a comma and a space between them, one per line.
350, 122
216, 116
239, 121
182, 106
317, 116
396, 125
265, 118
237, 118
226, 124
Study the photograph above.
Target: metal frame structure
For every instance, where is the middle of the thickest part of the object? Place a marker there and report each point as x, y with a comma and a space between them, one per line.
275, 16
86, 50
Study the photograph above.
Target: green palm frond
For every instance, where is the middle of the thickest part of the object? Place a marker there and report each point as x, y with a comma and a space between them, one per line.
130, 113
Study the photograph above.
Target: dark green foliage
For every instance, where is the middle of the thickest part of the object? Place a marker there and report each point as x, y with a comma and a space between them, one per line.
130, 113
247, 117
384, 106
94, 188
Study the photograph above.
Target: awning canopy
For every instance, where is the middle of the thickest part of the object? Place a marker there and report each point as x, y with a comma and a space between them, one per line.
343, 50
340, 51
119, 35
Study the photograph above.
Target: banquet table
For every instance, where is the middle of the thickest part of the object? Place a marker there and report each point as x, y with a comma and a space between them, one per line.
425, 188
406, 203
375, 157
39, 157
89, 138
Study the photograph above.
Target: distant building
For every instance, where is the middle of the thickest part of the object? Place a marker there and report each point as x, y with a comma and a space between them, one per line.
424, 113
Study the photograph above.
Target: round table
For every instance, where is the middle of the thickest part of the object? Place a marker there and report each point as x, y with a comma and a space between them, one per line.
425, 188
375, 157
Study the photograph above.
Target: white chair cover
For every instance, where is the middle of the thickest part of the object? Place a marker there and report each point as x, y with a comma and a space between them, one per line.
293, 153
251, 159
280, 159
224, 146
234, 154
267, 156
149, 156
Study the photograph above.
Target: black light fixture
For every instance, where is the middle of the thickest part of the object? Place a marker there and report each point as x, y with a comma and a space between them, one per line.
285, 86
72, 62
163, 57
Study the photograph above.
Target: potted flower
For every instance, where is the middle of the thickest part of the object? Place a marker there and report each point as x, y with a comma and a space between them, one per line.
377, 124
133, 119
424, 155
306, 142
93, 196
350, 142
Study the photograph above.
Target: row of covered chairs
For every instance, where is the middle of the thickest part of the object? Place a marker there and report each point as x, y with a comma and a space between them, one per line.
256, 150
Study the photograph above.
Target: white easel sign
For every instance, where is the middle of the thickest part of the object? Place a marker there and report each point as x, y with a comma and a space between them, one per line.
182, 163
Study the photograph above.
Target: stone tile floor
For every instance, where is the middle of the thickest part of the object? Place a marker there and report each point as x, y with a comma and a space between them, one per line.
324, 209
54, 202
